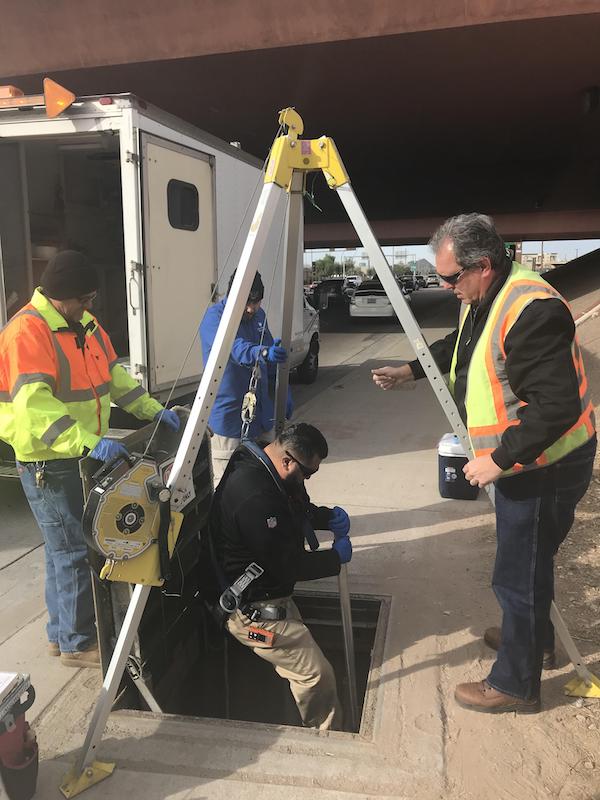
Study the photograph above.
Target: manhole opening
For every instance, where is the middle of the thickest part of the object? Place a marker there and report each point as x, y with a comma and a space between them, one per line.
208, 674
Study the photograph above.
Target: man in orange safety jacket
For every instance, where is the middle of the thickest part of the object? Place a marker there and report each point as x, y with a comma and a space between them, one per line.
58, 376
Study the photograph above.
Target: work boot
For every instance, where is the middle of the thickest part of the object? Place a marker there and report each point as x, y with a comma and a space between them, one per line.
493, 637
480, 696
82, 658
53, 649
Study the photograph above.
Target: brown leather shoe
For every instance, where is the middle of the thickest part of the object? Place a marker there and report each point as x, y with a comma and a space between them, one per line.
82, 658
493, 636
480, 696
53, 649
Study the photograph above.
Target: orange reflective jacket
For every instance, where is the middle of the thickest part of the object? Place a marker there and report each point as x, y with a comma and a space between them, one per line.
55, 394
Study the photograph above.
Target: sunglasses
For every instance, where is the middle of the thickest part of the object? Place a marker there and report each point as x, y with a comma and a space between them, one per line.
453, 279
306, 471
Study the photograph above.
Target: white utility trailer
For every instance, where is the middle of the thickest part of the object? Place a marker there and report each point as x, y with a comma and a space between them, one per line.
162, 210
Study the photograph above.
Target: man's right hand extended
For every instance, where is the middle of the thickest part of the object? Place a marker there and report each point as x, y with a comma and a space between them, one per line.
108, 449
343, 547
390, 377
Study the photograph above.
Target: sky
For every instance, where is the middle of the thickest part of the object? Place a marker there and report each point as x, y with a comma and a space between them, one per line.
566, 250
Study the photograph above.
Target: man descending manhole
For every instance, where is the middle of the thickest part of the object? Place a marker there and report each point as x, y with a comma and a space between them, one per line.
261, 513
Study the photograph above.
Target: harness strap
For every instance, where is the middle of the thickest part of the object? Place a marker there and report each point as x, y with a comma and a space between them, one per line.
258, 452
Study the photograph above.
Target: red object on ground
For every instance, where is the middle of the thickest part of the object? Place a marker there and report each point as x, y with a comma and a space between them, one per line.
18, 752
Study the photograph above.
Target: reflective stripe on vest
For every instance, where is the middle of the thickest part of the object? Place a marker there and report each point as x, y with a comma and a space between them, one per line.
54, 431
490, 403
98, 335
130, 396
64, 391
82, 376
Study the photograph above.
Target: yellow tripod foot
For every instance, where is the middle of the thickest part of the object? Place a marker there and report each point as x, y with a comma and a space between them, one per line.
581, 687
74, 784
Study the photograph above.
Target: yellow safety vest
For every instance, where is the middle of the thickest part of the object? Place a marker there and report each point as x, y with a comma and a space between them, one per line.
490, 403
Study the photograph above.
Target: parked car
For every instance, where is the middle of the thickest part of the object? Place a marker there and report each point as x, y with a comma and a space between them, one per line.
420, 281
408, 282
432, 280
304, 356
353, 280
330, 293
370, 300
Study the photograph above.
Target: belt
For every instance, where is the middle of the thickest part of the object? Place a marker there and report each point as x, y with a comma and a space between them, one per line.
257, 613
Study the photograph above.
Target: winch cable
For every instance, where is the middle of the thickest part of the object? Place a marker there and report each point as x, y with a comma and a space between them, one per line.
248, 409
240, 228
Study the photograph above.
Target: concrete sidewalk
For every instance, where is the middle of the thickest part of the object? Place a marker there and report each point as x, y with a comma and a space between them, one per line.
432, 559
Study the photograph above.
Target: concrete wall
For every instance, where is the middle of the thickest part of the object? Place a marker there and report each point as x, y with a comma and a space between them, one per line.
37, 36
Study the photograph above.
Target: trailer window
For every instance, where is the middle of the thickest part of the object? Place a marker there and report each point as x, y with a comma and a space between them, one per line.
183, 205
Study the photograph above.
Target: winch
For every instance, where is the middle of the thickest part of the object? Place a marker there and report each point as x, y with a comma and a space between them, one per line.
128, 518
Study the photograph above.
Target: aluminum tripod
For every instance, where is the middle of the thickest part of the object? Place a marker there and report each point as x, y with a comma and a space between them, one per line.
290, 159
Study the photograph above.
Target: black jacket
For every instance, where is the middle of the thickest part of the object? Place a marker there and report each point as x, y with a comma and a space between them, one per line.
252, 520
540, 370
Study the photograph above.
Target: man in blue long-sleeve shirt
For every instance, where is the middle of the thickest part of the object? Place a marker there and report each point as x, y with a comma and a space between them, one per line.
253, 344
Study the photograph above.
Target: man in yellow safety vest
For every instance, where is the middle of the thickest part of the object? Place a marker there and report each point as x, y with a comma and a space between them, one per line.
518, 379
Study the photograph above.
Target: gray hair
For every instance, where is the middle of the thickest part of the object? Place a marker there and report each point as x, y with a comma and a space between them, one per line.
473, 237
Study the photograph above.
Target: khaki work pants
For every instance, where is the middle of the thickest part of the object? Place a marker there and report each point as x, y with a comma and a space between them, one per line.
221, 448
296, 657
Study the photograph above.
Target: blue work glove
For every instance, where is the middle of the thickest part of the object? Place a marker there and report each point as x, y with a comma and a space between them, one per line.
108, 449
169, 417
289, 406
276, 354
339, 522
343, 547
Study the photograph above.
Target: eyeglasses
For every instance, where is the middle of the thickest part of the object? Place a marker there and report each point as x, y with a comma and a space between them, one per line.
453, 279
86, 299
306, 471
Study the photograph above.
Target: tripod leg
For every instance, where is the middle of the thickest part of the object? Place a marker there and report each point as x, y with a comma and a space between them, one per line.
294, 230
349, 645
86, 773
586, 684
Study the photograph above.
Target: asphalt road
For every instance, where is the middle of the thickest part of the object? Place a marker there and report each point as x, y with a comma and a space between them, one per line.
345, 342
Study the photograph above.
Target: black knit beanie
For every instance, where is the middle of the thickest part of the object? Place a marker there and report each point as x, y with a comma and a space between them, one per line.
68, 275
257, 292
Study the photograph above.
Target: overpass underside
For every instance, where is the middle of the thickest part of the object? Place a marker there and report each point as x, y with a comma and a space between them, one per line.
434, 111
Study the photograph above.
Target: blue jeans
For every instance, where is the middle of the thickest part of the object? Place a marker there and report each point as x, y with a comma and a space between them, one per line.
57, 506
534, 513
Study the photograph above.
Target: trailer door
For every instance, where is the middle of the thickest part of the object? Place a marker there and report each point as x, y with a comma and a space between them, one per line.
15, 261
179, 256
